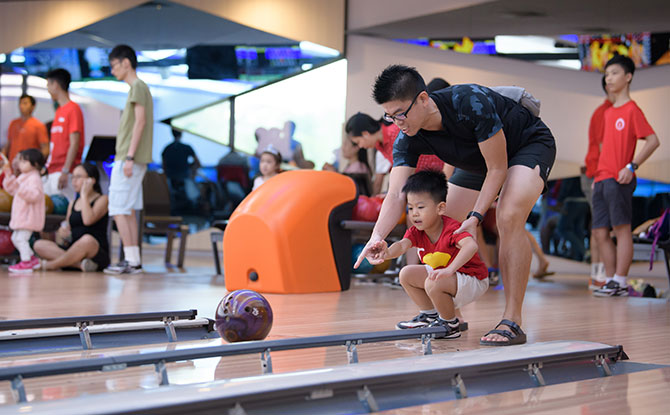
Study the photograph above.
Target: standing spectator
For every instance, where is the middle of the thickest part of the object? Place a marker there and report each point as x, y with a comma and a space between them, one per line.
67, 136
588, 172
180, 163
615, 177
27, 207
133, 152
366, 132
26, 131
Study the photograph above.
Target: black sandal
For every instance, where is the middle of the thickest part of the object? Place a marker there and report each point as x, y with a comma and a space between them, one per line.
516, 336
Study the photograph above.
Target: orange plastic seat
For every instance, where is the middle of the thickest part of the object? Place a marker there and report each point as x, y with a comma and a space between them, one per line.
286, 237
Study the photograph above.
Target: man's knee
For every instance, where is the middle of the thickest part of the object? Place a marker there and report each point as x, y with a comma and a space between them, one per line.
508, 219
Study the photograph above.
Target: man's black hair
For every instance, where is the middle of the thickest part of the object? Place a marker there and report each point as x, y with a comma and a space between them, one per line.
397, 83
30, 97
604, 84
360, 122
61, 76
433, 182
121, 52
624, 61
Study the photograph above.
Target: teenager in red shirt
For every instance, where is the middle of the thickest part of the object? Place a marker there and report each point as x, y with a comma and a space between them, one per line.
67, 136
615, 181
451, 274
588, 172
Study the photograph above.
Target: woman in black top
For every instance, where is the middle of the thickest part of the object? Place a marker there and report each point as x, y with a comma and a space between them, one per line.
85, 227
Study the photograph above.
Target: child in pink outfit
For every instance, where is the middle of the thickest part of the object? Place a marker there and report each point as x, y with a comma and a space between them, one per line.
28, 213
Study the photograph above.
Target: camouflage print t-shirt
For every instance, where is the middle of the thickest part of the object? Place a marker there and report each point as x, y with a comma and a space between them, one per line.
471, 114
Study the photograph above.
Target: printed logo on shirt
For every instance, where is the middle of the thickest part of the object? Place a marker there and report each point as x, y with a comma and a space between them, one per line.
61, 119
55, 129
619, 124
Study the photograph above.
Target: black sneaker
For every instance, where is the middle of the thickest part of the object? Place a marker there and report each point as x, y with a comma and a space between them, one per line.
452, 332
420, 321
612, 289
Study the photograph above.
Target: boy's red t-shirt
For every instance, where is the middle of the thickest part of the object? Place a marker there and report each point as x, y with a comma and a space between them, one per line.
595, 138
67, 120
623, 126
439, 254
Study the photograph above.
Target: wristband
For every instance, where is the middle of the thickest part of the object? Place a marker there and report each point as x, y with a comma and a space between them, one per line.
477, 215
632, 166
130, 158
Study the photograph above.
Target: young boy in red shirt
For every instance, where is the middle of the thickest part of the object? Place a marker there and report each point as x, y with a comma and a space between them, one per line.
451, 274
624, 124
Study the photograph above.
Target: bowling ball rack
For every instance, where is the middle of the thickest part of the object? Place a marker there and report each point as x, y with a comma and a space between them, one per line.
16, 374
354, 388
109, 330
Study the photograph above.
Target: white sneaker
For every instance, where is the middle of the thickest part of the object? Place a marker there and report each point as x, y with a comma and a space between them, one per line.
88, 265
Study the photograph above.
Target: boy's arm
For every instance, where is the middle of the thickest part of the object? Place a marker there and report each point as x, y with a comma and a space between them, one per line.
69, 159
467, 249
138, 127
398, 248
650, 145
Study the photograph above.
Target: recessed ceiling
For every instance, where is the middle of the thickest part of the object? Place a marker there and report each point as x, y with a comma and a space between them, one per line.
163, 25
532, 17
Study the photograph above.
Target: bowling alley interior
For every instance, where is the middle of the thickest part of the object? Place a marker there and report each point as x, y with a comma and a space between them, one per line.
334, 207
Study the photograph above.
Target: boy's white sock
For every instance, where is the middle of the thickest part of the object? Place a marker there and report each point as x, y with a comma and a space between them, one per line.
132, 254
622, 280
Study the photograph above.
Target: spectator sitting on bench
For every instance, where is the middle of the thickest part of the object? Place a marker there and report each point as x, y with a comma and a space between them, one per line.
81, 241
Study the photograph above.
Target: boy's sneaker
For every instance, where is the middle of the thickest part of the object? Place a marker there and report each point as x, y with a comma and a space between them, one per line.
123, 267
25, 267
612, 289
452, 332
88, 265
419, 321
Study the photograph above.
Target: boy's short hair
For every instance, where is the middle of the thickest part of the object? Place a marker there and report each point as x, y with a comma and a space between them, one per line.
436, 84
624, 61
604, 84
397, 83
433, 182
121, 52
61, 76
30, 97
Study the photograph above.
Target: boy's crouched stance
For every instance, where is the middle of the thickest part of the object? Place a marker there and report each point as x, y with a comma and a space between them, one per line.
451, 274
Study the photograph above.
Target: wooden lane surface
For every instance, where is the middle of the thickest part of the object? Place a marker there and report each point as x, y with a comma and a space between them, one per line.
559, 310
637, 393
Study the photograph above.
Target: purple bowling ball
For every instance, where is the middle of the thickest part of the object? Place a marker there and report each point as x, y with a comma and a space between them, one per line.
243, 315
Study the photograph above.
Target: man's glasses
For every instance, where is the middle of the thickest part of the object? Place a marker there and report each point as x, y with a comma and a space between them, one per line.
403, 115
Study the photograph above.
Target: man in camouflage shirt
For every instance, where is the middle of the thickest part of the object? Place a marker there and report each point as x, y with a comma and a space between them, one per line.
490, 137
